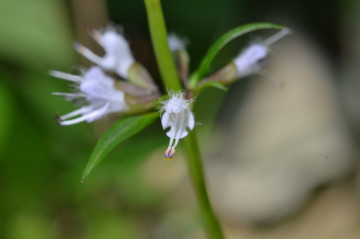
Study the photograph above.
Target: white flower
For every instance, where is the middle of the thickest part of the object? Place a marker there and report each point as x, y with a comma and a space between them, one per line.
117, 58
175, 43
178, 116
250, 61
98, 90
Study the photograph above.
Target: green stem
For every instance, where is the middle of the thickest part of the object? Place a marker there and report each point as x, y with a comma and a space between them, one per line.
171, 81
163, 55
198, 179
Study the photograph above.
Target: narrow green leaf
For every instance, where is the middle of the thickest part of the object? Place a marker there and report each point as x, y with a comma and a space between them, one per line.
213, 84
119, 132
221, 42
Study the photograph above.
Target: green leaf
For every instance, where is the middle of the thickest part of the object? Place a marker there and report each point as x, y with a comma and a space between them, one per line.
213, 84
6, 111
119, 132
221, 42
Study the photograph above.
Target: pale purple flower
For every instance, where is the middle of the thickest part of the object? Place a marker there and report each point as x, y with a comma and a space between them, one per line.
178, 116
98, 90
117, 58
250, 61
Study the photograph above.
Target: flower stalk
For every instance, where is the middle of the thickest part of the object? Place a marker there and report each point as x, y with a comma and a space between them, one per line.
172, 82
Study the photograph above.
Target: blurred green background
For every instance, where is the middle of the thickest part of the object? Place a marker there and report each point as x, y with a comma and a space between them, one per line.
132, 194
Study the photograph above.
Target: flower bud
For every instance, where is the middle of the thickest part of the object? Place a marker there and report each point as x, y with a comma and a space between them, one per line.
181, 57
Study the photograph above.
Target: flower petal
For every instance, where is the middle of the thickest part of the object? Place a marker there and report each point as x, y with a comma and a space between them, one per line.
90, 116
184, 133
99, 86
191, 121
249, 61
65, 76
87, 53
170, 132
165, 120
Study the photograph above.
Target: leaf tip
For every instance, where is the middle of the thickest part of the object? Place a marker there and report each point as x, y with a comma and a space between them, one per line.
83, 177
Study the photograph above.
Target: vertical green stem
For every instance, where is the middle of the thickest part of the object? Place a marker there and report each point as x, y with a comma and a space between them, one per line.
171, 81
163, 55
198, 179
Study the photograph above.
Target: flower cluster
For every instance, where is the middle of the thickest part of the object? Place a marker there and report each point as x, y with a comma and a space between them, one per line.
103, 93
116, 83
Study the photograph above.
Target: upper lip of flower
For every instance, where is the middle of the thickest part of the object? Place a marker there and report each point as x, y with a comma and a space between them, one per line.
117, 58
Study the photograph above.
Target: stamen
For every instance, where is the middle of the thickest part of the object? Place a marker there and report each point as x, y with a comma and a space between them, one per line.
169, 153
96, 35
87, 53
74, 113
93, 114
65, 76
277, 36
69, 94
